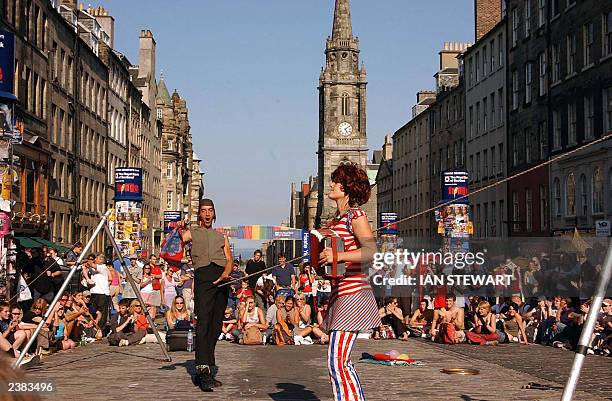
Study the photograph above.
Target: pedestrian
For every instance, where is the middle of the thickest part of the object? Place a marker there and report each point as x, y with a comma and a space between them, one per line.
212, 261
352, 306
136, 272
100, 292
253, 268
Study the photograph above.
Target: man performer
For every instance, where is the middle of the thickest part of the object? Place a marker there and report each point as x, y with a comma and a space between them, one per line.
212, 261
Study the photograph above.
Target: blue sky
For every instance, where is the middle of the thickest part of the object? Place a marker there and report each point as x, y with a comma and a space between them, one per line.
249, 71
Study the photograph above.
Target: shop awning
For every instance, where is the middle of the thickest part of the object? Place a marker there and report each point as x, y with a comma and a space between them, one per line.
28, 242
59, 248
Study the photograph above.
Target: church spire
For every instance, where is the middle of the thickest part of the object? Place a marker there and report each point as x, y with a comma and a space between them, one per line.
343, 27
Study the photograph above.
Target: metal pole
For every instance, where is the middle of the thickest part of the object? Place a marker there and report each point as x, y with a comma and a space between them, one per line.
137, 292
60, 292
589, 326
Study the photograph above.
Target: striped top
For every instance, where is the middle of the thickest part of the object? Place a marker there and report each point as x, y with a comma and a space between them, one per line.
354, 279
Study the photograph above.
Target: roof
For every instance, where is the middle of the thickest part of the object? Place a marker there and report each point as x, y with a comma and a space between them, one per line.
162, 92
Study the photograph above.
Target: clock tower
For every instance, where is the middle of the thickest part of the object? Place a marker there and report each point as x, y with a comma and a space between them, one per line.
342, 107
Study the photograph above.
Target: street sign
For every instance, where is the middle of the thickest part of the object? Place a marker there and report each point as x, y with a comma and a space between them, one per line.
128, 184
454, 186
602, 228
388, 223
171, 219
7, 65
305, 245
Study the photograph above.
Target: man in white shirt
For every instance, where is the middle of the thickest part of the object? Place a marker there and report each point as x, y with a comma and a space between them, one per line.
100, 292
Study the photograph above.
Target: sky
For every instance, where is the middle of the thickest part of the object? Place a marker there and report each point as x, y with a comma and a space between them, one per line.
249, 70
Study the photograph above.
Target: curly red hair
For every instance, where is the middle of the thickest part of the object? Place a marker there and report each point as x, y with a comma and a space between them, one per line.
355, 182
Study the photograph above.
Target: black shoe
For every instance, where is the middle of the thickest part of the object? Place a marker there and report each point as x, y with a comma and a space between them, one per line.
204, 378
217, 383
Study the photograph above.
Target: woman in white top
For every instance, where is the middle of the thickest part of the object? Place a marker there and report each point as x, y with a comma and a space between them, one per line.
252, 316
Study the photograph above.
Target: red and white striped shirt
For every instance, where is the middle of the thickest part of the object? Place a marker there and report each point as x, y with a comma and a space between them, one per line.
354, 279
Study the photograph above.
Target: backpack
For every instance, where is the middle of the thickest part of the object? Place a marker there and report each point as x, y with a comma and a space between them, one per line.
252, 336
282, 334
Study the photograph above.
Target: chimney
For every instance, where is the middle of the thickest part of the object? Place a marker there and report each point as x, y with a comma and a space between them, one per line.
146, 54
388, 148
71, 4
449, 53
425, 94
487, 14
107, 22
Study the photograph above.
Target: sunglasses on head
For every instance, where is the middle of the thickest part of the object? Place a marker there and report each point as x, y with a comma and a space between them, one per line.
138, 306
15, 313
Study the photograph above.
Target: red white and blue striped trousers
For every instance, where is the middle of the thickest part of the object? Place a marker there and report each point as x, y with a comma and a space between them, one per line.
345, 382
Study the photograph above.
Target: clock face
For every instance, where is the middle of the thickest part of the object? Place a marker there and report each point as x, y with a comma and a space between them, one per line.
345, 129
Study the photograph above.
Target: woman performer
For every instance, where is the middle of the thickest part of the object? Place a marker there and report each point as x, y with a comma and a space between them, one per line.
352, 305
212, 261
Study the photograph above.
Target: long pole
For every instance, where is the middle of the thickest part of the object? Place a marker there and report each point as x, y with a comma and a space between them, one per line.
60, 292
589, 327
137, 292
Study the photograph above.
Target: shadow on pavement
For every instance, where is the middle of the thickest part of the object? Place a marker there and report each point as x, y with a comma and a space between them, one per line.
291, 391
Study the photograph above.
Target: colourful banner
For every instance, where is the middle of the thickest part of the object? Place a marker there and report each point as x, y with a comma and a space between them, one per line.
7, 65
128, 184
171, 219
258, 232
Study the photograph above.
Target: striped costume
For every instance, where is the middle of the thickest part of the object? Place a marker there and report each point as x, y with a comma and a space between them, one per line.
352, 307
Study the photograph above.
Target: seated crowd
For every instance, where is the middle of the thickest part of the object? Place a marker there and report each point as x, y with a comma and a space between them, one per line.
286, 307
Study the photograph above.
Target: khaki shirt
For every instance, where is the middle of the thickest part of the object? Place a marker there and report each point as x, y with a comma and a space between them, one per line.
207, 246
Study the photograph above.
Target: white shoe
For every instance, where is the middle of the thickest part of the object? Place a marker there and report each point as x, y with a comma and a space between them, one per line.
29, 361
124, 343
222, 336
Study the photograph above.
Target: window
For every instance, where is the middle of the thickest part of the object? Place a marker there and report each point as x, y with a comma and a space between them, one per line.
542, 140
556, 7
587, 35
345, 105
557, 196
160, 113
169, 169
485, 163
461, 152
471, 130
515, 212
478, 118
501, 158
570, 195
607, 33
515, 26
556, 62
543, 207
500, 50
607, 106
528, 209
541, 12
485, 67
470, 72
515, 150
528, 81
527, 18
542, 74
583, 195
556, 130
571, 53
571, 123
597, 188
486, 219
477, 62
500, 97
477, 169
492, 53
528, 154
169, 200
589, 117
515, 90
493, 167
485, 125
493, 109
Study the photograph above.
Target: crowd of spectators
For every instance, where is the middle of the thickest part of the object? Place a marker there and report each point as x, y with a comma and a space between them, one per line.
285, 306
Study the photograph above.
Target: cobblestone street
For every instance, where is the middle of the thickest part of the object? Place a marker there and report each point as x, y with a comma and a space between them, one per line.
100, 372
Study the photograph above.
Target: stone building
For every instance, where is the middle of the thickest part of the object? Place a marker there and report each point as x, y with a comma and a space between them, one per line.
447, 126
580, 106
178, 169
33, 85
197, 186
342, 108
411, 178
384, 180
485, 82
148, 139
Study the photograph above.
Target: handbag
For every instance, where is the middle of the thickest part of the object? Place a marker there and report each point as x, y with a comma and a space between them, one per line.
282, 334
172, 248
252, 336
